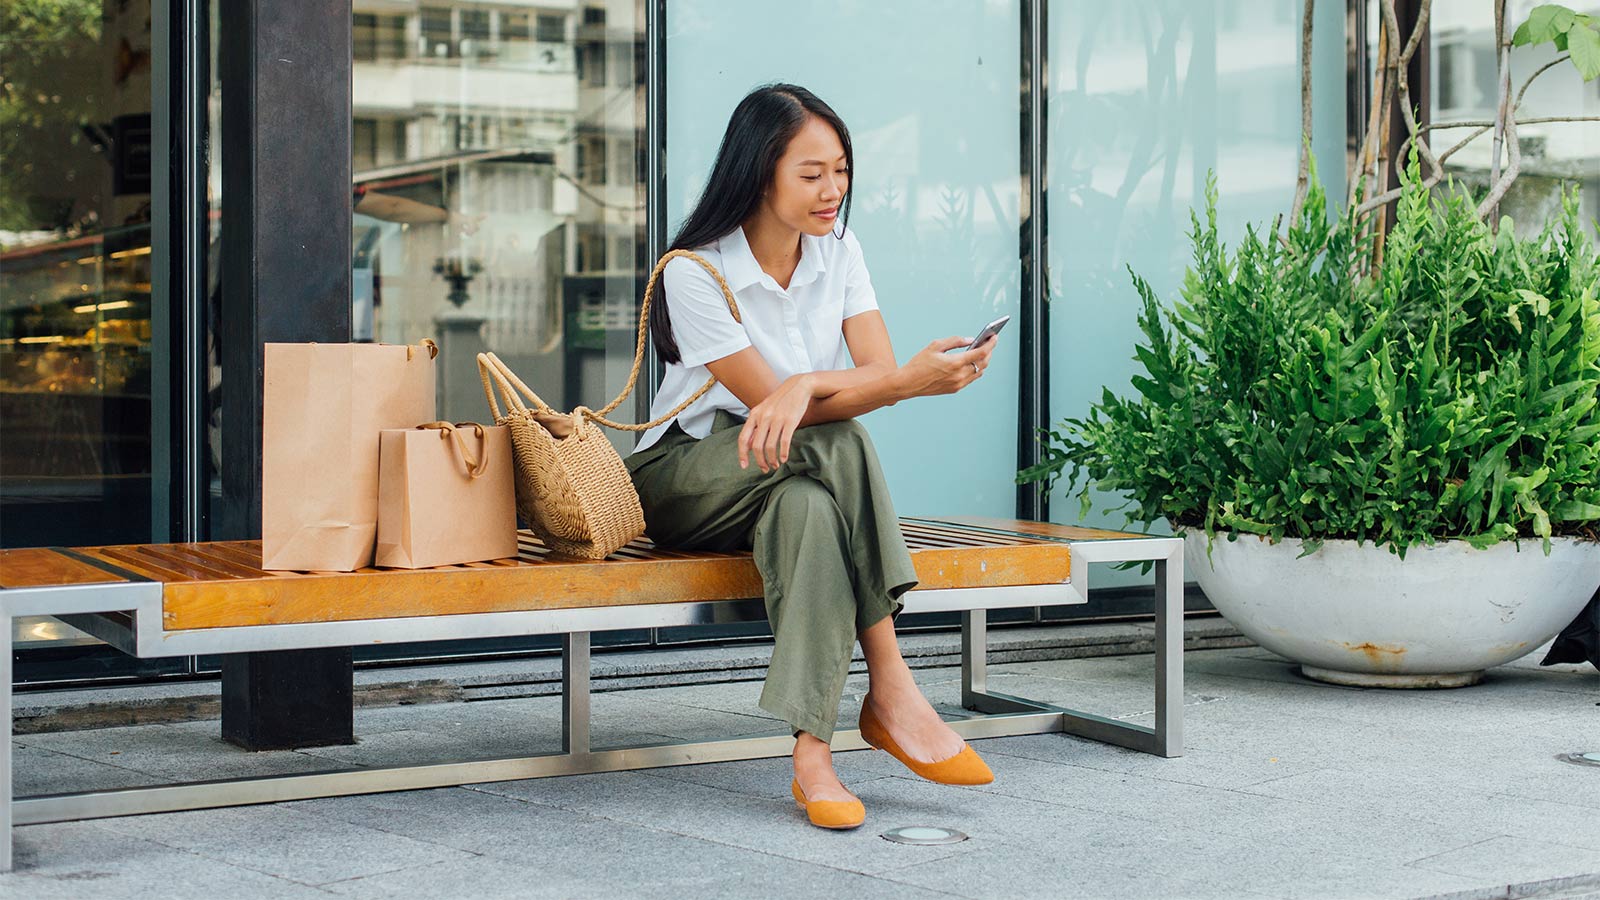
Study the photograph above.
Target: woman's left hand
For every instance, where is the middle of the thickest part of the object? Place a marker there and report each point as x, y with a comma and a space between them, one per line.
772, 423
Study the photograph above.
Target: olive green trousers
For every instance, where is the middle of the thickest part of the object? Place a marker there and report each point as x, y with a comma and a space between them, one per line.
823, 533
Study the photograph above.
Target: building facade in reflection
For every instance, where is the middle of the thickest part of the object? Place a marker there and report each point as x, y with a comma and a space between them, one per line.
495, 150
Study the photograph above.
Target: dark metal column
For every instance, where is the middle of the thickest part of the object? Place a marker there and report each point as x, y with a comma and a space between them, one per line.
655, 169
1033, 411
178, 202
285, 68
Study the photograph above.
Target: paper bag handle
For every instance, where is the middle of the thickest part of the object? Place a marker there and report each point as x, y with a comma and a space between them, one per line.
432, 348
475, 465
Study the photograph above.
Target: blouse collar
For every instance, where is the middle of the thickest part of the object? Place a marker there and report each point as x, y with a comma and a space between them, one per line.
740, 268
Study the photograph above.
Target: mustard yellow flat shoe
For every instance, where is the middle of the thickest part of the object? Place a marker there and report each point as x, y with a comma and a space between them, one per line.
838, 814
966, 767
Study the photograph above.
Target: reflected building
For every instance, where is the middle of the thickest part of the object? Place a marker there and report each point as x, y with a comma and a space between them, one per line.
514, 127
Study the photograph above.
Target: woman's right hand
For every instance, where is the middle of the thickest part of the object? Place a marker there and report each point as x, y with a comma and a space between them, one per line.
933, 371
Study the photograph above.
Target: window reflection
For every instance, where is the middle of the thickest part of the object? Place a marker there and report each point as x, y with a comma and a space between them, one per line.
75, 273
1145, 100
934, 113
496, 199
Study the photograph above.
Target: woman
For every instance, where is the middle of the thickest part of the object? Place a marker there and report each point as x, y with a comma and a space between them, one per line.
814, 507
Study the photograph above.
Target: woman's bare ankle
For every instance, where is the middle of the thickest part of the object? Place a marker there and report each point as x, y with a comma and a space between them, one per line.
913, 722
813, 769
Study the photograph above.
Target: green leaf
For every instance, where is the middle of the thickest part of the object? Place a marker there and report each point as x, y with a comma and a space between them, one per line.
1487, 539
1241, 523
1584, 45
1576, 511
1544, 23
1537, 301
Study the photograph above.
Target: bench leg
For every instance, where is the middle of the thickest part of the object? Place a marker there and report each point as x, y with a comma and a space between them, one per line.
5, 744
1166, 738
974, 657
1169, 656
575, 692
975, 693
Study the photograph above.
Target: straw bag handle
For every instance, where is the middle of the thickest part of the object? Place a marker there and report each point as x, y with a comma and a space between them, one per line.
496, 374
475, 465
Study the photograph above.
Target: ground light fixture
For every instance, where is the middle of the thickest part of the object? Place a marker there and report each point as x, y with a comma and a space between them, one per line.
1582, 758
928, 834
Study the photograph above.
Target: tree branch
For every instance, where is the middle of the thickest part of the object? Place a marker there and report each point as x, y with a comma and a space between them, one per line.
1390, 196
1541, 120
1302, 180
1366, 154
1504, 129
1491, 203
1380, 166
1479, 130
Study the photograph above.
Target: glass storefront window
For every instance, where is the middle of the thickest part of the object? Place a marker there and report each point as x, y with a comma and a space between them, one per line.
930, 93
1145, 99
378, 37
75, 255
488, 212
437, 34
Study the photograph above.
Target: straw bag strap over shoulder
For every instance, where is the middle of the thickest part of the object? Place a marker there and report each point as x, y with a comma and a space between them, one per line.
497, 375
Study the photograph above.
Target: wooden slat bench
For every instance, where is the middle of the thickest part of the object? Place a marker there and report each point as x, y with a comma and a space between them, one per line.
198, 599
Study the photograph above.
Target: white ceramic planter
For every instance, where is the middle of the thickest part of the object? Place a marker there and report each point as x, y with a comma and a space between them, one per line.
1360, 615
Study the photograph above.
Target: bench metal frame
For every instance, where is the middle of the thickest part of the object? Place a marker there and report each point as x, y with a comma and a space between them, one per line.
128, 615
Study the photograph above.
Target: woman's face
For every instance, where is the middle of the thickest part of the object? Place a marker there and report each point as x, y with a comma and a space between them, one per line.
810, 180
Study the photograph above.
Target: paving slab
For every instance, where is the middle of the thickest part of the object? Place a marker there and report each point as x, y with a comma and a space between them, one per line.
1253, 818
37, 771
187, 751
1008, 872
1515, 859
1225, 769
1359, 792
283, 841
86, 860
763, 777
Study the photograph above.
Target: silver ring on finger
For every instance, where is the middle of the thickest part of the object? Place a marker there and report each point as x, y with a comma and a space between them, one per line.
976, 370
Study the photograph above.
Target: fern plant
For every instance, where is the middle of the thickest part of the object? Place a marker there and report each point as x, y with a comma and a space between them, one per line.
1453, 394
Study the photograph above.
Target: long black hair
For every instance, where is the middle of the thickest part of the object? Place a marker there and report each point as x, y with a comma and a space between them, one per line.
758, 133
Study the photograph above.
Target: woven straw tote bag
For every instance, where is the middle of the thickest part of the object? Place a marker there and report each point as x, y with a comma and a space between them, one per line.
573, 490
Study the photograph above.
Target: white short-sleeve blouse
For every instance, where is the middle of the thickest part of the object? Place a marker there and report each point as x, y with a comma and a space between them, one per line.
795, 330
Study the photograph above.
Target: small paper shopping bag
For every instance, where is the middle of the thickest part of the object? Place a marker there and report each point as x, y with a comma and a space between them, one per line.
445, 496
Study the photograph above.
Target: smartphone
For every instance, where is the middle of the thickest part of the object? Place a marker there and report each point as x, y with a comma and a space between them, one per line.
989, 331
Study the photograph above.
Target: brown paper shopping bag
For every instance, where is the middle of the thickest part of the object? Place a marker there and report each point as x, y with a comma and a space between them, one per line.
445, 496
322, 410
